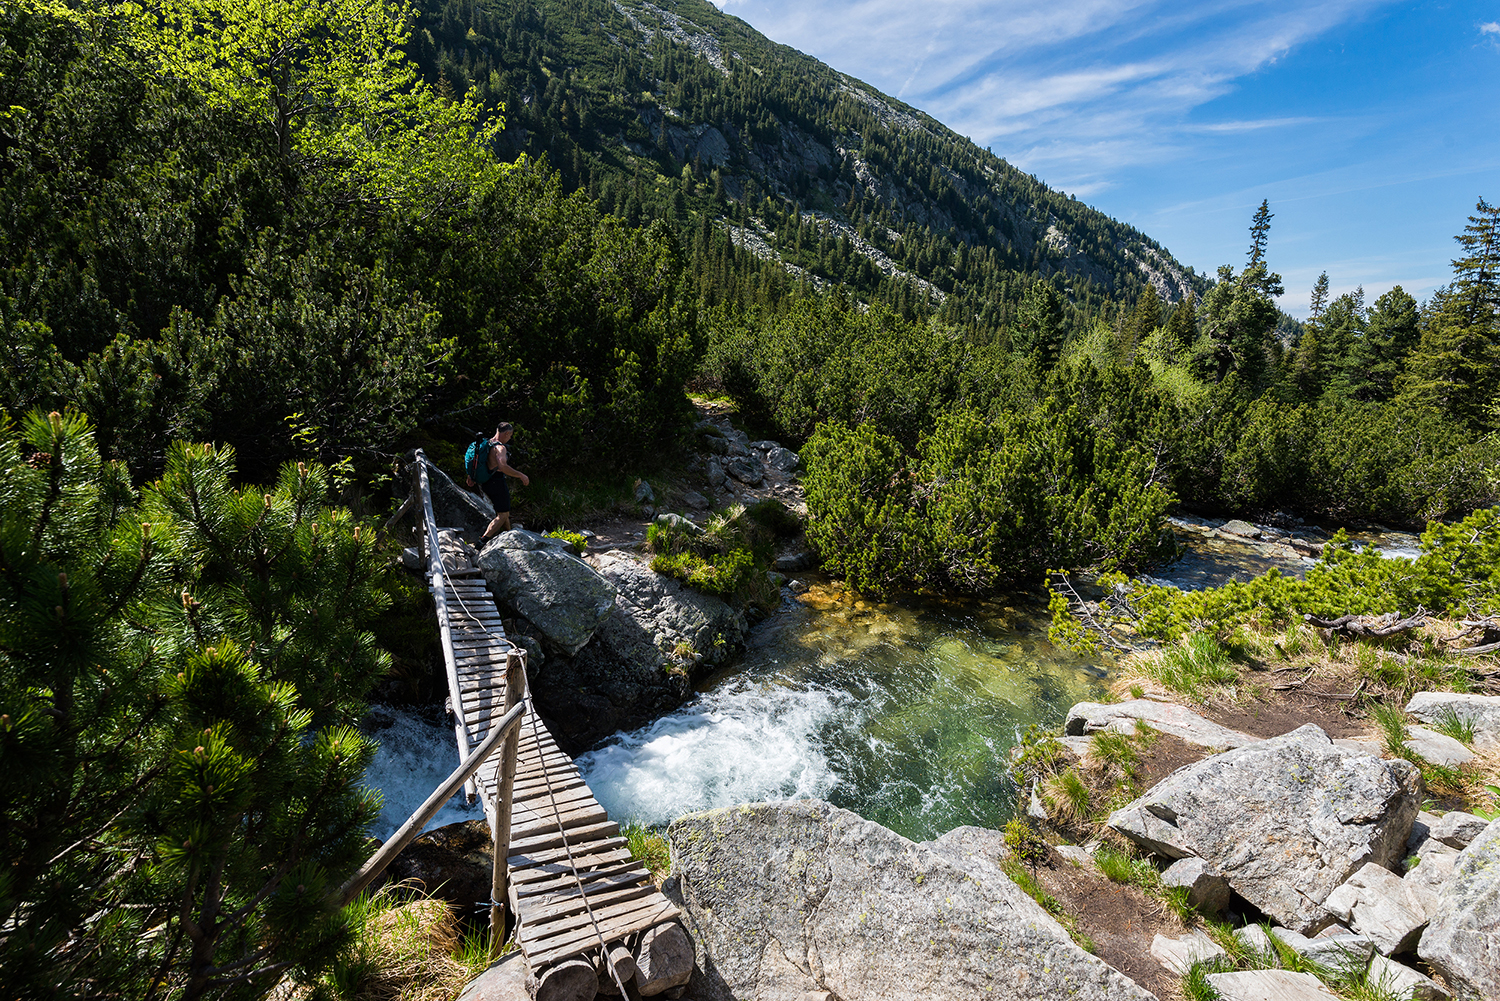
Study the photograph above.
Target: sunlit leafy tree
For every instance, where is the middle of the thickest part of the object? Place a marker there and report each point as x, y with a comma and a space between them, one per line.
331, 85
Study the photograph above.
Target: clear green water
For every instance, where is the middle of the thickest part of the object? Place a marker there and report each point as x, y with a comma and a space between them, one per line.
904, 712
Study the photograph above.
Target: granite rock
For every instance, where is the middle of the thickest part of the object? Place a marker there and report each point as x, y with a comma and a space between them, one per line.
789, 898
1482, 712
1462, 942
1120, 717
1286, 820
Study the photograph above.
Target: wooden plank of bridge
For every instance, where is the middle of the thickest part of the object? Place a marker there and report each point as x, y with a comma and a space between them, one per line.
575, 890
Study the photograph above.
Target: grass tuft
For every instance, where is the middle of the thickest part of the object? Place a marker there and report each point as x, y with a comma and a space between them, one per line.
649, 846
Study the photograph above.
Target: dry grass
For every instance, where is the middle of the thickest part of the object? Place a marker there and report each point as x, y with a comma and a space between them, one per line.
413, 951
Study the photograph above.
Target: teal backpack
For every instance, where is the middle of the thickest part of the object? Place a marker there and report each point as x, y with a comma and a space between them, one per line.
477, 458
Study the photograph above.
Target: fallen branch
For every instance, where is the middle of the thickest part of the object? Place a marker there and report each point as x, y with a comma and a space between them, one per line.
1080, 608
1295, 684
1369, 627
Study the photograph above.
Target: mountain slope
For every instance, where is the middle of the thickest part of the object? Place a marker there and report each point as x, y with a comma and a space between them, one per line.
676, 110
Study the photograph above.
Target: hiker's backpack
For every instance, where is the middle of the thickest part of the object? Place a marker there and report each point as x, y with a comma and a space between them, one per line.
477, 458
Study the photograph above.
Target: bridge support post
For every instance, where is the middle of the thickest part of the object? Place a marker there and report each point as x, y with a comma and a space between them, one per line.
515, 687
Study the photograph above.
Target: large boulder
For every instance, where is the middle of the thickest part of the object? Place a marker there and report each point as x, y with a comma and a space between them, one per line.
1462, 942
1087, 718
545, 584
1286, 820
790, 899
1482, 712
636, 667
452, 505
656, 616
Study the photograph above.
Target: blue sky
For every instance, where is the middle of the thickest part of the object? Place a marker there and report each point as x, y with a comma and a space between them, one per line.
1372, 127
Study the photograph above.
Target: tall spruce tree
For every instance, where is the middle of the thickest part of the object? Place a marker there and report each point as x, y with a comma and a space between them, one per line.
1455, 368
1040, 325
1260, 229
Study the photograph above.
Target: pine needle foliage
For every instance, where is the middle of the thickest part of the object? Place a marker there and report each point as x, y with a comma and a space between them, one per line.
181, 671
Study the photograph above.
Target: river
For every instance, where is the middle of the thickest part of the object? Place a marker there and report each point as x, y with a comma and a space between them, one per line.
902, 711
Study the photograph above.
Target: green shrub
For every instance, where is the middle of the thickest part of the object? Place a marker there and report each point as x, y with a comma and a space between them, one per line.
726, 575
775, 516
573, 539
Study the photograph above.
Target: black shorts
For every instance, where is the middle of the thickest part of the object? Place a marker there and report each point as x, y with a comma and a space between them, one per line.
498, 491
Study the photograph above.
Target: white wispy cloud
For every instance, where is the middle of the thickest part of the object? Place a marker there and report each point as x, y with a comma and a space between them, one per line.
1490, 28
1123, 76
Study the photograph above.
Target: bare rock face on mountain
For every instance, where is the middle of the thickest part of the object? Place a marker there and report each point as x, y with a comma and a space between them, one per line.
1463, 940
1285, 820
802, 899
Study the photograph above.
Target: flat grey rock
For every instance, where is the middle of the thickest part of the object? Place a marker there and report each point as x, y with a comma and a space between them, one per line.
1377, 903
1462, 942
1087, 718
696, 501
1437, 748
1457, 829
1400, 981
1243, 529
1255, 939
1269, 985
1286, 820
1207, 888
1179, 954
1433, 866
1480, 711
787, 898
1333, 951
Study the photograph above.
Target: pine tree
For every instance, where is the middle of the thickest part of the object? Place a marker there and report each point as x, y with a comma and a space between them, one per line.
180, 782
1260, 228
1455, 368
1319, 302
1182, 326
1040, 325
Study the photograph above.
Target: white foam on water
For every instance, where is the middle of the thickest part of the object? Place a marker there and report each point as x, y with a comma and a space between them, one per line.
414, 756
740, 744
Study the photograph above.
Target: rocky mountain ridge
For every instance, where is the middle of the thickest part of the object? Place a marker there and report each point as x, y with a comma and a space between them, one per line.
676, 110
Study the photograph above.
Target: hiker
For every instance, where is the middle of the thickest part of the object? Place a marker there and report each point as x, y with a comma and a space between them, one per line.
491, 478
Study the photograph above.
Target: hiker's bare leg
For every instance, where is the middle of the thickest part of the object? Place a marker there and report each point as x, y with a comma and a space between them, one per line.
499, 523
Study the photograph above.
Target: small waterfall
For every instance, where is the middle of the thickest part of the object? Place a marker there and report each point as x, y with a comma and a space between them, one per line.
415, 755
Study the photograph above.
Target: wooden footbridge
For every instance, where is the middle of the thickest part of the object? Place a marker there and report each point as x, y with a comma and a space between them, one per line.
588, 917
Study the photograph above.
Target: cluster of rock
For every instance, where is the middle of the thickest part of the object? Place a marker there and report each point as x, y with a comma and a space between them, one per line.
610, 642
734, 459
1327, 842
802, 901
1305, 541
